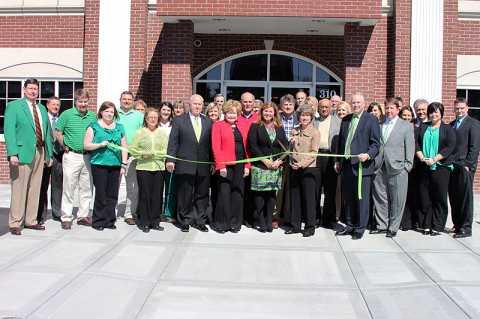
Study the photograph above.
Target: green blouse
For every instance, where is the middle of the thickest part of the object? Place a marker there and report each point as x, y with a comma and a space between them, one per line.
144, 141
430, 146
107, 155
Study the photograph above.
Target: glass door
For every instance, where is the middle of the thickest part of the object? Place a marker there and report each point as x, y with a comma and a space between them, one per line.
235, 91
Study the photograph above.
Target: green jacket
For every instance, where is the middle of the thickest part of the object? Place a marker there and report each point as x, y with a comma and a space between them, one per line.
19, 130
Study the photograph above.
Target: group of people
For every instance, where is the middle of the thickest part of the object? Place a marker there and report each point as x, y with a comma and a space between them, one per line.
256, 163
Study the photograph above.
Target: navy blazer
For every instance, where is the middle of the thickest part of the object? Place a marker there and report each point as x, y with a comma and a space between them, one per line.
446, 141
467, 144
260, 144
365, 140
183, 144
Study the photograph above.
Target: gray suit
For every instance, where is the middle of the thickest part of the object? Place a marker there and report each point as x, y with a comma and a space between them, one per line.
392, 164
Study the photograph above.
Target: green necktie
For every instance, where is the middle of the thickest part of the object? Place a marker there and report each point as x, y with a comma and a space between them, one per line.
351, 131
196, 128
386, 134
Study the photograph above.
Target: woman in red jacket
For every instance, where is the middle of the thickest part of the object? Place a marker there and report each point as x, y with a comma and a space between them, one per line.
229, 143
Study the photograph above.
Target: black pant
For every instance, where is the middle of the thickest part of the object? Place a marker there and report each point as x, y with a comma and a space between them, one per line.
410, 212
150, 200
356, 210
43, 199
326, 181
264, 206
248, 207
106, 180
433, 187
192, 187
303, 199
229, 211
54, 176
214, 194
460, 193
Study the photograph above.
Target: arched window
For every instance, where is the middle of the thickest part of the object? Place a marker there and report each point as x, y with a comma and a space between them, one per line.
268, 75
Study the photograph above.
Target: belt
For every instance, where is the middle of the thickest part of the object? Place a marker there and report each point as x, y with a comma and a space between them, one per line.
323, 151
82, 152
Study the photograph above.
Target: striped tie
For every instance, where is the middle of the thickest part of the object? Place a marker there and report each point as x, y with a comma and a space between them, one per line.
351, 131
386, 134
38, 128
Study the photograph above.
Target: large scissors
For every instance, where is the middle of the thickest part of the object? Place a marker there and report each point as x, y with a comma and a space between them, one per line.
290, 148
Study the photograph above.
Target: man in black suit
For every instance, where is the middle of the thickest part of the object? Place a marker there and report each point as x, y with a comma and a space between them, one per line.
54, 171
360, 137
465, 157
190, 139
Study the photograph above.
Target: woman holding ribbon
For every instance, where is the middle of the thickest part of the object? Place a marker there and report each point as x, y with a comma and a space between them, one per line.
229, 143
264, 138
149, 144
106, 163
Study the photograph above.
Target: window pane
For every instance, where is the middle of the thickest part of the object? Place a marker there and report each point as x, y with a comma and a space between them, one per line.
248, 68
286, 68
327, 91
3, 89
3, 105
47, 89
65, 90
462, 93
277, 93
2, 121
474, 98
78, 85
14, 89
208, 90
213, 74
65, 105
235, 92
323, 76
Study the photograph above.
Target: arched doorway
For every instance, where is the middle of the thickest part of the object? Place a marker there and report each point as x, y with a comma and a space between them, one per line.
268, 75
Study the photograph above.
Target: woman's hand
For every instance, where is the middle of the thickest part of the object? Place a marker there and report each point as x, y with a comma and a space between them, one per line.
147, 155
246, 172
223, 172
123, 169
295, 166
429, 161
277, 164
268, 163
103, 144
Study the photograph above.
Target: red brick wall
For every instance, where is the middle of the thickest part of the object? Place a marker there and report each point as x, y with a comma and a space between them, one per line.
153, 75
138, 45
468, 37
450, 51
41, 31
90, 52
401, 31
272, 8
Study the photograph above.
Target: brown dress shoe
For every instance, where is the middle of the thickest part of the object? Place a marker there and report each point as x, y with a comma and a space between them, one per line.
66, 225
84, 221
15, 231
36, 227
275, 225
130, 221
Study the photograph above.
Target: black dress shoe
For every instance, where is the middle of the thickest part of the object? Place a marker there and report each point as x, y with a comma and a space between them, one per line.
220, 231
463, 234
57, 219
111, 227
342, 232
292, 231
234, 230
158, 227
426, 232
391, 234
262, 230
404, 228
185, 228
327, 226
450, 230
377, 231
434, 233
99, 228
356, 235
269, 230
308, 234
146, 229
202, 228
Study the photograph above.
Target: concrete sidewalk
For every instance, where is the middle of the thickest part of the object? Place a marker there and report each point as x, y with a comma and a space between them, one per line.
83, 273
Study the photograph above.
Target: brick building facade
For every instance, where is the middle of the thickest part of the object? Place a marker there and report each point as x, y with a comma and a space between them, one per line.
161, 50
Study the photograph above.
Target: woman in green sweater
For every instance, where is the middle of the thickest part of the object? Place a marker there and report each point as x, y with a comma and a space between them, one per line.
149, 141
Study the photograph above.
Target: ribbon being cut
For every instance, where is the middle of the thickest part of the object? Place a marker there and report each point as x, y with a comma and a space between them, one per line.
254, 159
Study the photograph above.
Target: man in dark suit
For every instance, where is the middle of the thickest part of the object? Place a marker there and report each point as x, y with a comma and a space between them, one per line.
27, 137
359, 136
465, 157
190, 139
54, 171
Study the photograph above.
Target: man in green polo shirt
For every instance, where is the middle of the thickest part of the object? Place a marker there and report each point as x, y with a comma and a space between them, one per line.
70, 132
132, 121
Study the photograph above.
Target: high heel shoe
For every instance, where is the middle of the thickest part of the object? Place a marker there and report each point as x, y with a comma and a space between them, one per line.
434, 233
426, 232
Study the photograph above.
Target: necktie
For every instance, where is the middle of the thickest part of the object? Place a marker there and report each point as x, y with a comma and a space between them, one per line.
457, 124
386, 134
351, 131
38, 128
196, 128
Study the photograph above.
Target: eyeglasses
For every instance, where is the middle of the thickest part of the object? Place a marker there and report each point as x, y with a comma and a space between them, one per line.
152, 117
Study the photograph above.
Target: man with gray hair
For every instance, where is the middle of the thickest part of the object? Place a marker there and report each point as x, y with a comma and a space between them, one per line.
420, 107
359, 141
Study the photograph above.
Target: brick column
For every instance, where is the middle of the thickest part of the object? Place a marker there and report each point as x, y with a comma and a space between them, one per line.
90, 51
450, 51
401, 32
138, 47
360, 68
154, 60
177, 60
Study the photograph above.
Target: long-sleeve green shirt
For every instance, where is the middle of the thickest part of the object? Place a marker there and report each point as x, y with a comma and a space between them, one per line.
145, 141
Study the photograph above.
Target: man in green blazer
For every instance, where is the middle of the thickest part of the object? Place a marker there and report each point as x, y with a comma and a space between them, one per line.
27, 138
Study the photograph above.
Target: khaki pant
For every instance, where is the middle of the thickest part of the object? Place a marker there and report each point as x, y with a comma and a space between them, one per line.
132, 187
26, 180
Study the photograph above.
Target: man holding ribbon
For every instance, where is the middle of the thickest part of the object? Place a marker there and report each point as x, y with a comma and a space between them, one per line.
27, 137
190, 144
359, 141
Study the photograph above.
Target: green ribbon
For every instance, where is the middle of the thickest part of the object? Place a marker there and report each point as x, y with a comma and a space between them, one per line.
254, 159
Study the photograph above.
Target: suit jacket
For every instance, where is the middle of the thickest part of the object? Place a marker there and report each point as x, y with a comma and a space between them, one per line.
446, 141
398, 152
260, 144
183, 144
223, 142
467, 145
333, 132
20, 134
365, 140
